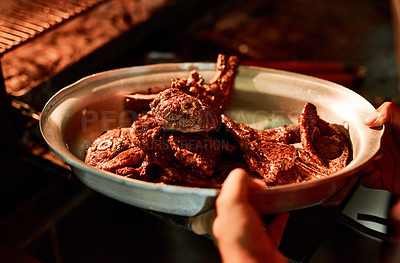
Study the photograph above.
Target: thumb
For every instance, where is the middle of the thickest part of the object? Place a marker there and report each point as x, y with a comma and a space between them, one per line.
388, 112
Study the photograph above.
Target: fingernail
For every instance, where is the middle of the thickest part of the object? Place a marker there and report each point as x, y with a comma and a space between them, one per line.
371, 118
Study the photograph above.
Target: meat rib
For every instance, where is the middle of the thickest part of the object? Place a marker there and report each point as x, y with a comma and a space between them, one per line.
326, 149
266, 157
216, 93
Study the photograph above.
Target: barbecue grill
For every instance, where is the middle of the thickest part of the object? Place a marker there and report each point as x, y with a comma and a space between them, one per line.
22, 20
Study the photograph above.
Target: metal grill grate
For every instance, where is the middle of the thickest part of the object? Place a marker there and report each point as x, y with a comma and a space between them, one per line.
22, 20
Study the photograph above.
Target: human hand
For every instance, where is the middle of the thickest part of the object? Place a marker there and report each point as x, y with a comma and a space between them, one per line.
385, 172
389, 113
238, 228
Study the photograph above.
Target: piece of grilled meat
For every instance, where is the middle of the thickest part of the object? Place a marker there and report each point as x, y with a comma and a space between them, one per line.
175, 110
114, 151
271, 154
262, 154
326, 150
216, 92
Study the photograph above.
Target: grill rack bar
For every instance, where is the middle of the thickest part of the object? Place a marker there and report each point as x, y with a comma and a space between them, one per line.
22, 20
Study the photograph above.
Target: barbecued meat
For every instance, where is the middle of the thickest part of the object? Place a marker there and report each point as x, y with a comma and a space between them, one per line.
179, 134
184, 139
271, 155
267, 158
177, 111
204, 159
325, 149
114, 151
196, 156
216, 93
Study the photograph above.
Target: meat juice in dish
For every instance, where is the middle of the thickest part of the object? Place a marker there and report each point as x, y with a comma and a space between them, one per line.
183, 138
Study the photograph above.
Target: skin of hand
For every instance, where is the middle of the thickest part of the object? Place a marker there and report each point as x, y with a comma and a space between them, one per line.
385, 172
239, 230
